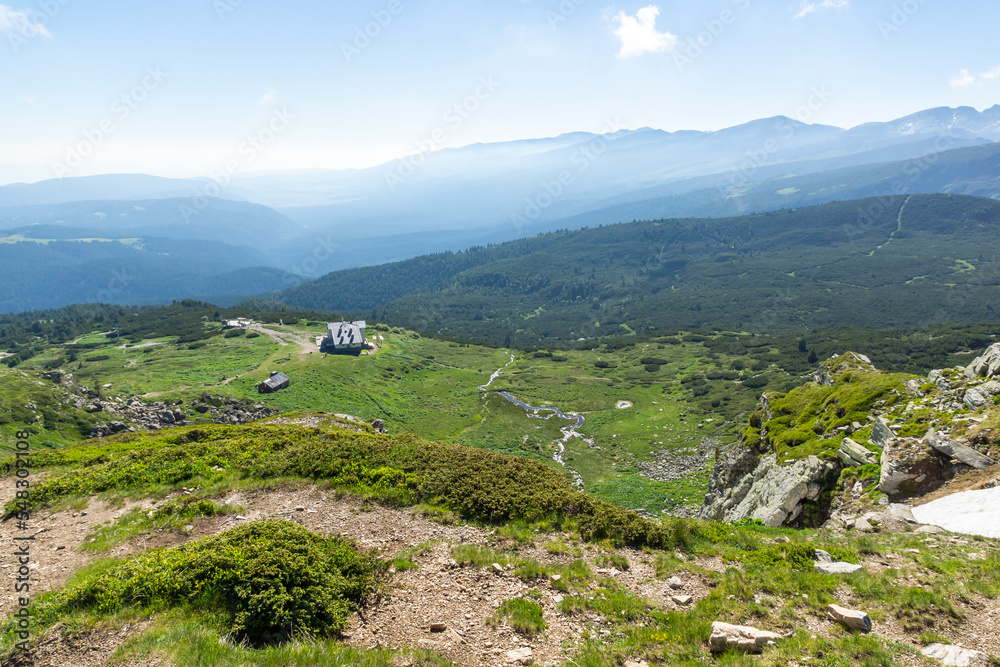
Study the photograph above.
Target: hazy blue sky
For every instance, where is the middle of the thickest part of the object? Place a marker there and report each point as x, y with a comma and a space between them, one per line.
178, 87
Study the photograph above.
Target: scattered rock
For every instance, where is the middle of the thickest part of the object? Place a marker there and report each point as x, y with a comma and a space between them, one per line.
930, 530
955, 656
521, 656
682, 599
856, 620
438, 627
498, 568
854, 454
742, 637
823, 556
675, 583
633, 663
838, 568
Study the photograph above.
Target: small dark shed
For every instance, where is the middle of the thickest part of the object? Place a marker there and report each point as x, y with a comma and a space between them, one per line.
274, 383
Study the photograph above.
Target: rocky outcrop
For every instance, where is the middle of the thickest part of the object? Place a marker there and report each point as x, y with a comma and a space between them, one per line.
760, 479
770, 492
910, 468
841, 363
987, 365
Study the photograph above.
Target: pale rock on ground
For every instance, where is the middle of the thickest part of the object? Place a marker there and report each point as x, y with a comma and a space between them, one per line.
742, 637
955, 656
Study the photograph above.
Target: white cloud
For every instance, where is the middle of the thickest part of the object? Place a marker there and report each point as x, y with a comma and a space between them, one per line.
270, 97
639, 35
20, 22
809, 6
992, 73
963, 79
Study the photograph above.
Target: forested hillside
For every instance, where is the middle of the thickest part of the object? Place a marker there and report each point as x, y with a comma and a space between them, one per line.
880, 262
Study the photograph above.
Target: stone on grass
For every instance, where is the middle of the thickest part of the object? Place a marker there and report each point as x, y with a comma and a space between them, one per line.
682, 599
634, 663
498, 568
856, 620
742, 637
675, 583
955, 656
838, 568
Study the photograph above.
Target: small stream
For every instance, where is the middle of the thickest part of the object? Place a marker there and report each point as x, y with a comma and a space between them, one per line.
569, 431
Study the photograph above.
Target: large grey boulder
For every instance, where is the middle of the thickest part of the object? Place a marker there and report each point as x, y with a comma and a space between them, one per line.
771, 492
854, 454
974, 399
741, 637
910, 468
987, 365
955, 656
957, 450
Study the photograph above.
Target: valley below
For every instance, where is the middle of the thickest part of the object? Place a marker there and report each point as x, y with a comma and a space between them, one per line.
605, 504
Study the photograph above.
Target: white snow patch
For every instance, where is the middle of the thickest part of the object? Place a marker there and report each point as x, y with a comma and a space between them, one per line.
969, 513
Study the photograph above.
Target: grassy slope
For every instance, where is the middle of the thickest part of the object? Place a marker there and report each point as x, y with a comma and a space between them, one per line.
766, 583
429, 387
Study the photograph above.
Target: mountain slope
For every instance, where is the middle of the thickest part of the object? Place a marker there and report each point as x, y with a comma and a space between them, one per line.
895, 261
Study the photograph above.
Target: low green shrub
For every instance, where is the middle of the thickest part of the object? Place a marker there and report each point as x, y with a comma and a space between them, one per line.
272, 581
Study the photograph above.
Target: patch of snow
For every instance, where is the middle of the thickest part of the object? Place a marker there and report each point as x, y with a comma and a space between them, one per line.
969, 513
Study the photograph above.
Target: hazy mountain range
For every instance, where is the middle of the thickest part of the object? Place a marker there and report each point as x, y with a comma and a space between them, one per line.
312, 222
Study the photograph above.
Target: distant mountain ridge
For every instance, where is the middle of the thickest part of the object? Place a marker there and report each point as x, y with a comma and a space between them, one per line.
312, 222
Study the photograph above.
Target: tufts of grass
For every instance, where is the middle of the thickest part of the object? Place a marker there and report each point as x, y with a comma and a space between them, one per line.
173, 515
524, 616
